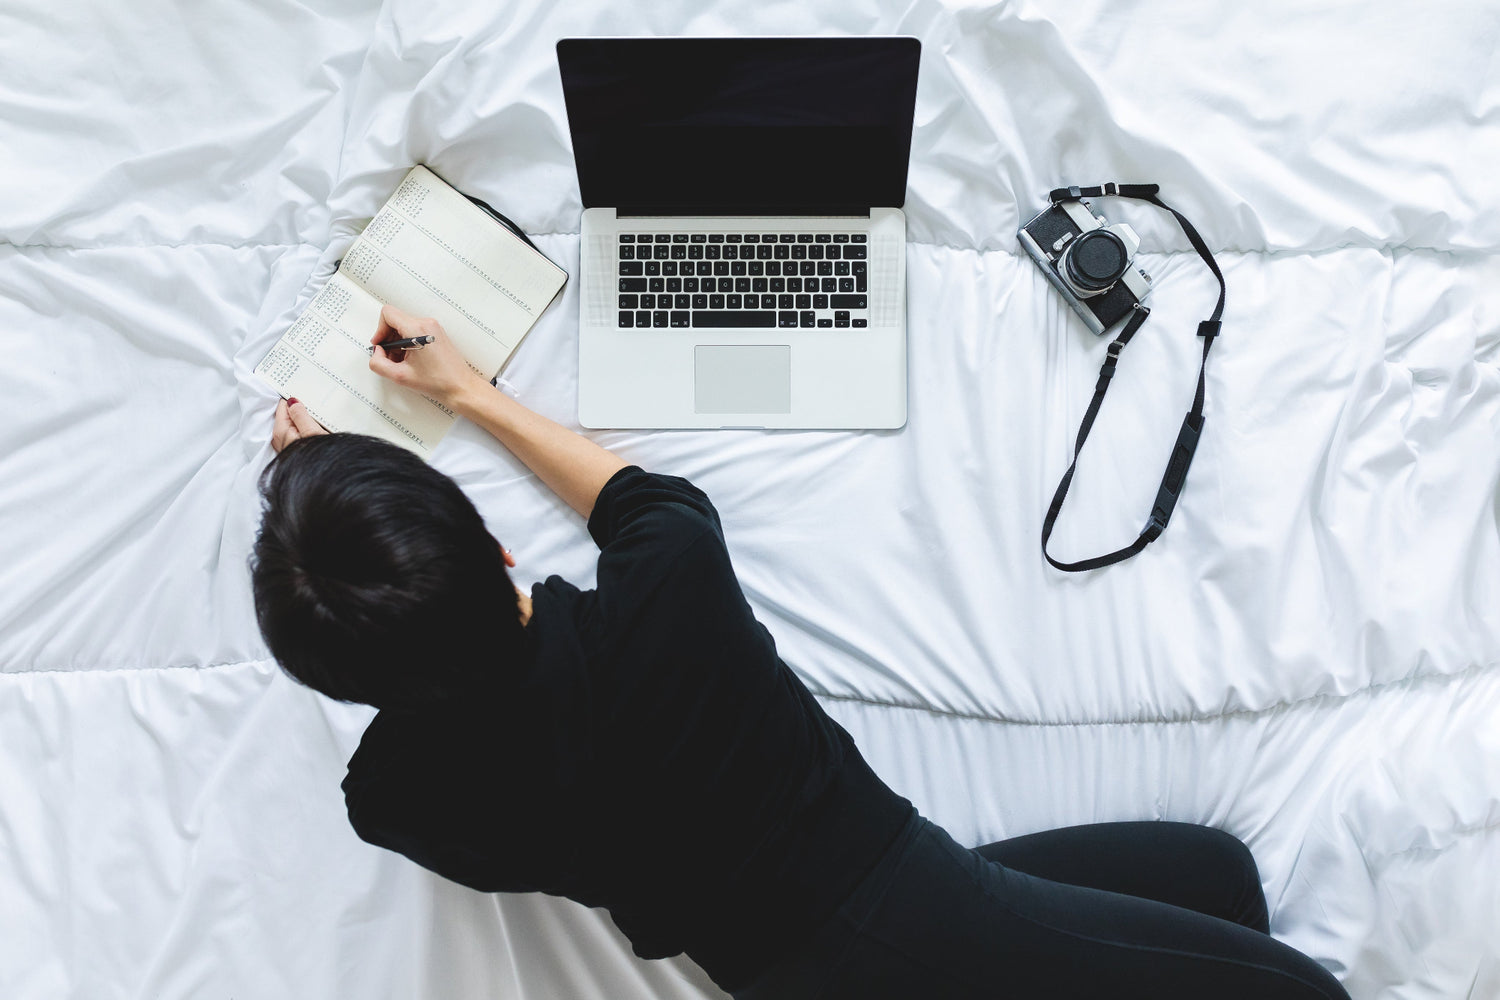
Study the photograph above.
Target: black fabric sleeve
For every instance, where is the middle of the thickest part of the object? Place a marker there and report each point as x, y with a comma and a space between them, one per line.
633, 495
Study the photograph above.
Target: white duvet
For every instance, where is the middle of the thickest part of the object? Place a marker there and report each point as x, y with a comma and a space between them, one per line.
1308, 658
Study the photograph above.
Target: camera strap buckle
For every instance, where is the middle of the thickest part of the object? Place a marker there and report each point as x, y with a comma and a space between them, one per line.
1175, 477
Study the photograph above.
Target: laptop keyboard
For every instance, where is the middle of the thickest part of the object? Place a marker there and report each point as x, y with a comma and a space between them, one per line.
778, 280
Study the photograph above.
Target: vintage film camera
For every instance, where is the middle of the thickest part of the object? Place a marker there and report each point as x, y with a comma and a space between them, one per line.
1088, 259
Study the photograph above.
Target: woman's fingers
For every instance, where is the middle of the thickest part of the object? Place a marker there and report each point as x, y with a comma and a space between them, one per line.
395, 324
381, 363
282, 427
293, 422
303, 421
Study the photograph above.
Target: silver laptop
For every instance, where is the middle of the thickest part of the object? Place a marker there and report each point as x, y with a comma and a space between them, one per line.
743, 256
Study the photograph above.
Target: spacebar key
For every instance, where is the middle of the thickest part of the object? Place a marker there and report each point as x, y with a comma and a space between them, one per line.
734, 318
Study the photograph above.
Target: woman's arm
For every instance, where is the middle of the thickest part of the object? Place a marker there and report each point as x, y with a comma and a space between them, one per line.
574, 467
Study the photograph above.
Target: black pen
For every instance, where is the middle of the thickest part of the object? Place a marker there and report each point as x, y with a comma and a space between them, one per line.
409, 344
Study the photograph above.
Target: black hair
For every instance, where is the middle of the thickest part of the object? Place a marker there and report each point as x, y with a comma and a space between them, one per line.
375, 579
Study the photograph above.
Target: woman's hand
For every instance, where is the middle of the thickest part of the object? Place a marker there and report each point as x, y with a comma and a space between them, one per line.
292, 422
437, 371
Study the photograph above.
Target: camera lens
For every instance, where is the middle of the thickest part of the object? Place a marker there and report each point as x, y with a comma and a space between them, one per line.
1096, 260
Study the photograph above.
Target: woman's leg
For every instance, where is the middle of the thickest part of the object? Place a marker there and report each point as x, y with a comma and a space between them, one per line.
952, 926
1196, 867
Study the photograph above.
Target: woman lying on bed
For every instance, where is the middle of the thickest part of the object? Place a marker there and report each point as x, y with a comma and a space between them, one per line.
641, 747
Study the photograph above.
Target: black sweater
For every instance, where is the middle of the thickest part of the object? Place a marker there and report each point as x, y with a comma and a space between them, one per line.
654, 757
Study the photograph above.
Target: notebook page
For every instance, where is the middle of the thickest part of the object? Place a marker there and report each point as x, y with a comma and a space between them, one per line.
323, 362
432, 252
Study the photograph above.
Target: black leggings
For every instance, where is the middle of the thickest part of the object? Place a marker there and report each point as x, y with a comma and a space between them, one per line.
1158, 910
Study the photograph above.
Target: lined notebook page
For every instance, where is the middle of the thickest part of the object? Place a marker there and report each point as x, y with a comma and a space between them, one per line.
431, 252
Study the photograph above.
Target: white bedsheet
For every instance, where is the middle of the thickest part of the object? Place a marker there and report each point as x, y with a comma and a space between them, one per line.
1309, 658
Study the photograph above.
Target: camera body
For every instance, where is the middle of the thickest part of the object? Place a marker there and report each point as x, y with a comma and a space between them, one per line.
1089, 260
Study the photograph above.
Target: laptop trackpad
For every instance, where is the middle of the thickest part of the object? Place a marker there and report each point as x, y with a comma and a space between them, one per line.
743, 379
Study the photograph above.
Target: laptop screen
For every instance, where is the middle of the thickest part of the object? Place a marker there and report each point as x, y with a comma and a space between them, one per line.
726, 126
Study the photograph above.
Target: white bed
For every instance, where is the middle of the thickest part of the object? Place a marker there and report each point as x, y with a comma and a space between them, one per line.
1308, 658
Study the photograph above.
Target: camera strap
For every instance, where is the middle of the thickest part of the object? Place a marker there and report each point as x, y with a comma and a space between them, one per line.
1192, 425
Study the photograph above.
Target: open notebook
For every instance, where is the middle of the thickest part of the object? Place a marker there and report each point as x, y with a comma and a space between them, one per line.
432, 252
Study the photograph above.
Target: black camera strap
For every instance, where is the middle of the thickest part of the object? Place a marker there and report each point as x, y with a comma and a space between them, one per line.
1192, 425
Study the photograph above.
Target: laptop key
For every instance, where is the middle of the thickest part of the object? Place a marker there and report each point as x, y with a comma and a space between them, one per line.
746, 318
681, 301
726, 284
825, 323
630, 301
648, 302
815, 252
704, 267
841, 267
716, 302
733, 301
842, 316
653, 268
787, 319
861, 323
821, 238
627, 252
860, 284
681, 319
656, 284
809, 318
804, 237
788, 237
679, 237
642, 319
858, 238
695, 251
627, 237
837, 237
697, 237
659, 318
700, 301
830, 284
854, 252
679, 251
661, 251
833, 252
804, 302
820, 302
627, 319
846, 302
632, 284
716, 237
630, 267
846, 284
663, 238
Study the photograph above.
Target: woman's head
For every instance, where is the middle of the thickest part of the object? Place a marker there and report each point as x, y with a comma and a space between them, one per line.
375, 578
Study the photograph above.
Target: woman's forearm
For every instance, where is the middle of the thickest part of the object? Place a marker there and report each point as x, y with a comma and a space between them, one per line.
574, 467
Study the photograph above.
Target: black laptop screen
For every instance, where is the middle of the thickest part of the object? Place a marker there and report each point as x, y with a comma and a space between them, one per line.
725, 126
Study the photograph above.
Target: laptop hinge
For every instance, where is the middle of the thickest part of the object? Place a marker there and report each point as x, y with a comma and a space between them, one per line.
741, 211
